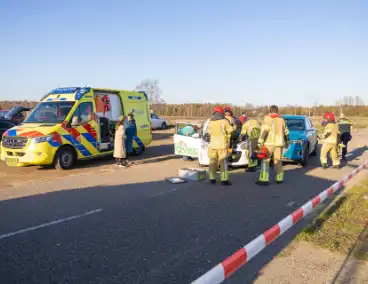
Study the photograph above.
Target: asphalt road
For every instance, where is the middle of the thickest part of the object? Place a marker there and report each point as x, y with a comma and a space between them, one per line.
110, 225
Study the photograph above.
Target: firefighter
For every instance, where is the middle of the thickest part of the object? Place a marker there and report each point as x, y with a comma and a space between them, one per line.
234, 123
252, 129
230, 116
330, 141
345, 128
219, 130
274, 136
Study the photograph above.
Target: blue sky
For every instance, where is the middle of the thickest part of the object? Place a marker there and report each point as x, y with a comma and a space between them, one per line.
261, 52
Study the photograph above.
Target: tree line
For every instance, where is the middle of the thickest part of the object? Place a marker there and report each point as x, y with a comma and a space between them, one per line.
204, 110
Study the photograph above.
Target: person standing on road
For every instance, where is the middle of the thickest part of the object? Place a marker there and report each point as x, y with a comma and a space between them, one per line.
274, 136
219, 130
230, 117
345, 128
130, 132
252, 129
330, 141
119, 143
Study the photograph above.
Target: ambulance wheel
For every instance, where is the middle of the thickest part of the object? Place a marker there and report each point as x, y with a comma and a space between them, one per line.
64, 158
304, 161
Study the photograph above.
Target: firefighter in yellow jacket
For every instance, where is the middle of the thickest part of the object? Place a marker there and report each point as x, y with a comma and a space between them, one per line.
252, 129
230, 117
274, 136
330, 141
220, 131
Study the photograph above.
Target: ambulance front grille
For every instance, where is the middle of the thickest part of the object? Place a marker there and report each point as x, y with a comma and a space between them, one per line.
14, 142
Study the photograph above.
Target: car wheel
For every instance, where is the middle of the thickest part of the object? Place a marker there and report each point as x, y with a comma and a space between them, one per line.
65, 158
304, 161
314, 153
163, 125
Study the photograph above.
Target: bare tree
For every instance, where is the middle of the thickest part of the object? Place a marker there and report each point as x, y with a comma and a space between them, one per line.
152, 89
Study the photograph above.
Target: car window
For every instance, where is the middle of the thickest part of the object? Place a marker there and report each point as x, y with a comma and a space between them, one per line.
83, 113
154, 116
295, 124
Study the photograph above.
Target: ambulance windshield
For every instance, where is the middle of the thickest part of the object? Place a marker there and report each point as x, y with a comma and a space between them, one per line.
50, 112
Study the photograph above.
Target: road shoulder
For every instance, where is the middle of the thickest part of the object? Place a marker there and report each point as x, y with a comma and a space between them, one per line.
332, 249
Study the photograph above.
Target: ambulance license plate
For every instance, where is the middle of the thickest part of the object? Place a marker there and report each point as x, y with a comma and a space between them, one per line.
11, 162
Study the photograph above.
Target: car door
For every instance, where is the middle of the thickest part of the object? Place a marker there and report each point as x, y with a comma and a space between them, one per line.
85, 136
186, 145
311, 134
314, 133
155, 121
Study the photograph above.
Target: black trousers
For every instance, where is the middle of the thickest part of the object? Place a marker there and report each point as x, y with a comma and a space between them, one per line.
345, 138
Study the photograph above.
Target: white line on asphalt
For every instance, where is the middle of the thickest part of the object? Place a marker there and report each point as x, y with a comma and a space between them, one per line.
164, 192
3, 236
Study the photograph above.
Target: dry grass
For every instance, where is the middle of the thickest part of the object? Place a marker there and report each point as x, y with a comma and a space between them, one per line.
339, 226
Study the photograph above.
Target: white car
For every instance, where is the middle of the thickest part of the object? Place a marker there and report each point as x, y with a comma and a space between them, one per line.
197, 146
158, 122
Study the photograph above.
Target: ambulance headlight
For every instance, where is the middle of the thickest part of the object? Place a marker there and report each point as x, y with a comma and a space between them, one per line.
204, 146
42, 139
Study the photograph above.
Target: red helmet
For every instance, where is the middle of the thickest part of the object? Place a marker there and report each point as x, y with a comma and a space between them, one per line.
242, 119
262, 153
228, 109
219, 110
329, 115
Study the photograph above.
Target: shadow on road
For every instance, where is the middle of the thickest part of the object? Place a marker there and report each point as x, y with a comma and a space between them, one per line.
152, 154
153, 232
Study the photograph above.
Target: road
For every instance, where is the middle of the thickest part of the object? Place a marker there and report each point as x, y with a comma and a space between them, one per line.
102, 224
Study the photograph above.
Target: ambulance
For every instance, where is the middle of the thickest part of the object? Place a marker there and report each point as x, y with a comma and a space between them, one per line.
71, 124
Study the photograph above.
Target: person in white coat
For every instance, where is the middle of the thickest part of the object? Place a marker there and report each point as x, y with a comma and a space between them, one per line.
119, 144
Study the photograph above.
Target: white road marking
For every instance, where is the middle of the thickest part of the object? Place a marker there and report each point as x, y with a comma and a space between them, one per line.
164, 192
3, 236
290, 204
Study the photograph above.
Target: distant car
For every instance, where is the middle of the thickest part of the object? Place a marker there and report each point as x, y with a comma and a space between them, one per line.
3, 113
4, 126
17, 114
303, 139
158, 122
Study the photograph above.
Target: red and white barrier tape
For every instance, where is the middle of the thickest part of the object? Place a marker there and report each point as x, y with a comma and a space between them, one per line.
227, 267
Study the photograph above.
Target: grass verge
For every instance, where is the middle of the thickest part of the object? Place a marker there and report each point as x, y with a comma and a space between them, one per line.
339, 226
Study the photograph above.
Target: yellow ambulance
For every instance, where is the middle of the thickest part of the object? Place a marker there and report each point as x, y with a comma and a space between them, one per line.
71, 124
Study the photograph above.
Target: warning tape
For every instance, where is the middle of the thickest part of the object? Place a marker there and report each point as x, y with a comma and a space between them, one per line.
231, 264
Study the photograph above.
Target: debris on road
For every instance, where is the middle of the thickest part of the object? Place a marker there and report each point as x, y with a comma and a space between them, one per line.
192, 174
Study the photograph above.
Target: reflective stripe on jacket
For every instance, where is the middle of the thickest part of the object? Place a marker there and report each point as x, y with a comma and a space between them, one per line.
252, 128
